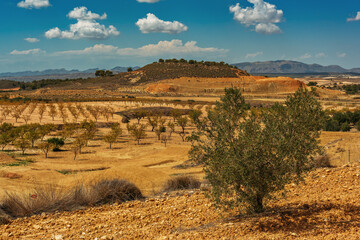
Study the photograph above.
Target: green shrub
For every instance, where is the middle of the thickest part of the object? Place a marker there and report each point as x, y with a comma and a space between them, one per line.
57, 143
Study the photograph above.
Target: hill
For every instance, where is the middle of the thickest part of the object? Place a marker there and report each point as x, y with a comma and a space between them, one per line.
149, 73
286, 66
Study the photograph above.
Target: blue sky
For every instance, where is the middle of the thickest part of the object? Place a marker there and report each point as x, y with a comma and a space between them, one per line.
82, 34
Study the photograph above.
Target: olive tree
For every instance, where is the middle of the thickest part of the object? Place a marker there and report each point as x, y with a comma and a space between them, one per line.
247, 157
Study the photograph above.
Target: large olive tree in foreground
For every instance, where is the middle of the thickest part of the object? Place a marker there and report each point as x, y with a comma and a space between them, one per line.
248, 155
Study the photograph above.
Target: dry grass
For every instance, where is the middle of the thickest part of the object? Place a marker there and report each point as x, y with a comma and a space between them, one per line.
322, 161
181, 183
52, 199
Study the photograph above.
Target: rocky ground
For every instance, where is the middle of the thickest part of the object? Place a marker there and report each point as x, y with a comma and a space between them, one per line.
325, 206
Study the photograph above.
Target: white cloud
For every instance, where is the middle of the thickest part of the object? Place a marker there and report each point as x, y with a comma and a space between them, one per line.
263, 16
320, 55
27, 52
152, 24
305, 56
163, 47
253, 55
32, 40
267, 28
82, 13
341, 55
148, 1
356, 18
86, 27
29, 4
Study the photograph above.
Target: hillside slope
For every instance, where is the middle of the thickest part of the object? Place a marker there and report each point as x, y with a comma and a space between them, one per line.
327, 206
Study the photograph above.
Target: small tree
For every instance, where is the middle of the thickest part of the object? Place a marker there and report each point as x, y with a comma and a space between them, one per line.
153, 122
182, 122
46, 147
22, 141
90, 130
137, 131
171, 126
41, 111
52, 111
77, 145
246, 157
195, 115
159, 130
175, 113
7, 134
164, 139
114, 134
33, 132
16, 113
68, 130
26, 118
140, 114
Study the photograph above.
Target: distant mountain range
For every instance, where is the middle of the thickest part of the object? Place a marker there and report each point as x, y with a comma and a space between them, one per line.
61, 73
286, 66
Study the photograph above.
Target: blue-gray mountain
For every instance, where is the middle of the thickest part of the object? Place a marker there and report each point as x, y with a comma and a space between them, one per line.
59, 73
286, 66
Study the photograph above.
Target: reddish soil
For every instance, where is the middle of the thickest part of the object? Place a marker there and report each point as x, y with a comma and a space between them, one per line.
325, 206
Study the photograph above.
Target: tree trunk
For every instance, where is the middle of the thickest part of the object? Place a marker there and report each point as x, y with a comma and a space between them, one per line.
258, 204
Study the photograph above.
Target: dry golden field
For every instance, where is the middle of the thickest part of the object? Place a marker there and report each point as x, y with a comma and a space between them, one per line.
148, 165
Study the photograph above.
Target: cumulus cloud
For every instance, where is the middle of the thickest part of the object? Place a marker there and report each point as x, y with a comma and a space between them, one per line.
163, 47
27, 52
32, 40
356, 18
341, 55
148, 1
82, 13
263, 16
86, 27
253, 55
29, 4
152, 24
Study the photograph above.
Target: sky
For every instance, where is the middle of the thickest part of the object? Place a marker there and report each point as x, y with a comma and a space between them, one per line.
83, 34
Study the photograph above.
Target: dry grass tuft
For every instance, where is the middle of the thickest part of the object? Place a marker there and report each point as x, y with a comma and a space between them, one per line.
322, 161
51, 199
115, 190
181, 183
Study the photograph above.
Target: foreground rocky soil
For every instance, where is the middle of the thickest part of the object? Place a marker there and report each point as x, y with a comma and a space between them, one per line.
326, 206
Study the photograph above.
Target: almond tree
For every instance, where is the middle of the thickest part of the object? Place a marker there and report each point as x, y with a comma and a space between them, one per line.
41, 111
114, 134
52, 111
22, 141
7, 134
137, 131
46, 147
16, 113
171, 126
182, 122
